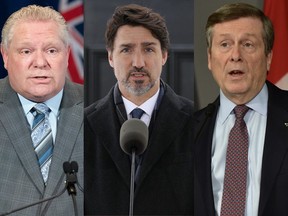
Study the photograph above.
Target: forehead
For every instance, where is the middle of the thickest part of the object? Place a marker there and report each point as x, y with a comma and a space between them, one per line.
242, 26
28, 24
133, 35
33, 29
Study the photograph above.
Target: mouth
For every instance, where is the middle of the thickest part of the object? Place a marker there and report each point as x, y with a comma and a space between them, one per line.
40, 77
138, 74
236, 73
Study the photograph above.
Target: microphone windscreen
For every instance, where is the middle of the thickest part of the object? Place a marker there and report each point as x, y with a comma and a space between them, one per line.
67, 167
134, 135
74, 166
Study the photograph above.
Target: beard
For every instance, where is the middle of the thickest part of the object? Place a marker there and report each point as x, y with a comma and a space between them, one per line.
138, 87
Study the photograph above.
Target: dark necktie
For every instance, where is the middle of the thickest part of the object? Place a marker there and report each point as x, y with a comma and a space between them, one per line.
42, 137
137, 113
234, 191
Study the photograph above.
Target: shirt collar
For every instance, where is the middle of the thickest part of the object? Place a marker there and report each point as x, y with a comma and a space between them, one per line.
147, 106
256, 104
53, 103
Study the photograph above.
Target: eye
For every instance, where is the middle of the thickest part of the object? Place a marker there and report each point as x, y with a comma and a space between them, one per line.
25, 51
149, 49
125, 50
224, 44
248, 44
52, 51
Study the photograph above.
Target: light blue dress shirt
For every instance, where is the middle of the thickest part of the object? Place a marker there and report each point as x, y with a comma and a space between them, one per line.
255, 120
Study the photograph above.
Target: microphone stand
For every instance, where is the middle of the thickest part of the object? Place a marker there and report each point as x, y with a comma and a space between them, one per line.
75, 205
132, 183
71, 179
35, 203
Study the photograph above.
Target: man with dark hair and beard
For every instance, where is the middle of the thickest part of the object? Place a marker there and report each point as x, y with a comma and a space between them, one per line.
137, 42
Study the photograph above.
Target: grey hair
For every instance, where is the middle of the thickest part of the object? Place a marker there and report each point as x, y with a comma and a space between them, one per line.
34, 13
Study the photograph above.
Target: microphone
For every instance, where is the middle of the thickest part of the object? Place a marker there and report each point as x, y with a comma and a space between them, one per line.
71, 178
133, 141
134, 136
70, 169
70, 181
74, 169
208, 113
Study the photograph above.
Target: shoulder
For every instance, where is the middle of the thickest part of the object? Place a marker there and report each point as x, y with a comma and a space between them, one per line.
274, 90
74, 89
277, 96
208, 111
100, 105
170, 97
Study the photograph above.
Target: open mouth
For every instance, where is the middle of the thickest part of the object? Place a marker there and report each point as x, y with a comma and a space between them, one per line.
138, 74
41, 77
236, 72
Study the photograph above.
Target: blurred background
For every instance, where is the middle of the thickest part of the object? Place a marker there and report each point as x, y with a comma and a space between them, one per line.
186, 70
179, 69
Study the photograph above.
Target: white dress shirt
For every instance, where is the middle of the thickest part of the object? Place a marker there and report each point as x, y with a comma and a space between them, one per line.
148, 107
255, 120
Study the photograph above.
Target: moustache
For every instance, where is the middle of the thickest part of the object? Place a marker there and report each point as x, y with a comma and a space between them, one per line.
139, 70
143, 70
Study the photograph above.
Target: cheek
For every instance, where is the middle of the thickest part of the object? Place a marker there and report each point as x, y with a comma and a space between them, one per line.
117, 71
15, 69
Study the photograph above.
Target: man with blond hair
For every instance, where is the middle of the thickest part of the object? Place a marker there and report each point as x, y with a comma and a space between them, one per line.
41, 114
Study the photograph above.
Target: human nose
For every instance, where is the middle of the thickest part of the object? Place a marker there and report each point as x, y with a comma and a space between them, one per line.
138, 60
40, 60
236, 54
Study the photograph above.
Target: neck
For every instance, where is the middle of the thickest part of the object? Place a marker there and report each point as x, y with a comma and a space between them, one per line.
139, 99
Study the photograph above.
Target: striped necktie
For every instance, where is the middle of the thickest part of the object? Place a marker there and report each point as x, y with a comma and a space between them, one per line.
42, 137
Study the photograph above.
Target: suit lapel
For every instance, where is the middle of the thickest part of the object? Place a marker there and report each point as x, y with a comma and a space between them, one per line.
68, 129
18, 130
275, 146
204, 129
165, 130
109, 134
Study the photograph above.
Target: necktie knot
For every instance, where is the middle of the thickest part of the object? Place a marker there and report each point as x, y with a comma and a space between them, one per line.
137, 113
39, 111
240, 111
41, 108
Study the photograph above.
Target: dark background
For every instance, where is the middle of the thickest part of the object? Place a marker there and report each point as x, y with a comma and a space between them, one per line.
179, 69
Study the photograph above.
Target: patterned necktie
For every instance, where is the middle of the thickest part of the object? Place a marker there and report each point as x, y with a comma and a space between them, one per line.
234, 192
42, 137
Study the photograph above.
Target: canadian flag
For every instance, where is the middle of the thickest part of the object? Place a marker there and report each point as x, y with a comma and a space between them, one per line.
277, 11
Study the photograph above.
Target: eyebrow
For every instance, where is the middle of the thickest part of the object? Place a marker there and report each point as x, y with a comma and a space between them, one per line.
144, 44
246, 34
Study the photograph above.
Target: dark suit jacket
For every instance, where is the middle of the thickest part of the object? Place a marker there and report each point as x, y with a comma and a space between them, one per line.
165, 185
21, 181
274, 176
